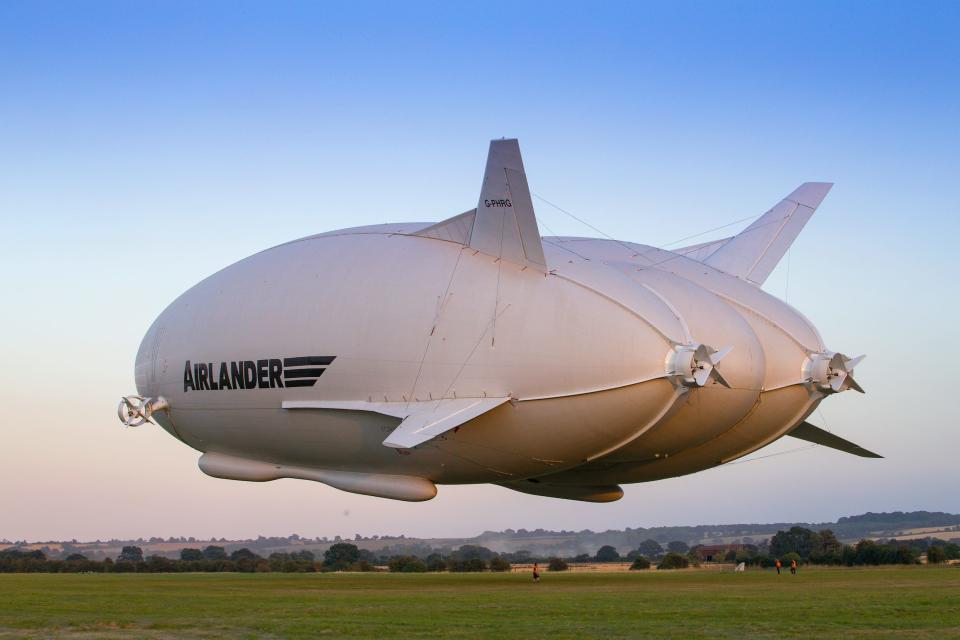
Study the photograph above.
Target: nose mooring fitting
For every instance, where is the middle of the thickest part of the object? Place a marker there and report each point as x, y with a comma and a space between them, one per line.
134, 411
694, 365
831, 372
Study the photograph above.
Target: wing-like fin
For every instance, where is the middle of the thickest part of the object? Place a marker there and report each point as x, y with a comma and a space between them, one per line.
420, 421
428, 420
503, 224
394, 409
754, 253
810, 433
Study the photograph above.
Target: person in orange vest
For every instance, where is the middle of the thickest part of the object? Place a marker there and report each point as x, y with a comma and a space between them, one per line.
778, 566
536, 572
793, 566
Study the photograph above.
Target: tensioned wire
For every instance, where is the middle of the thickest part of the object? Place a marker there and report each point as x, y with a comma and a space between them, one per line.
633, 250
663, 247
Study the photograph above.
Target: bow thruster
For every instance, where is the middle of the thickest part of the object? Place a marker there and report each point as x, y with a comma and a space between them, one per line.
134, 411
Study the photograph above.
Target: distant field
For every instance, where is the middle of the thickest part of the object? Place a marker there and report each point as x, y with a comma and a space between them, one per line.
910, 602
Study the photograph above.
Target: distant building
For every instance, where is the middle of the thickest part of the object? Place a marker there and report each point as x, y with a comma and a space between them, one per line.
716, 552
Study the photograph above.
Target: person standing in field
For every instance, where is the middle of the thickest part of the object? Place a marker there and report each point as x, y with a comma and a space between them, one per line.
778, 566
793, 567
536, 572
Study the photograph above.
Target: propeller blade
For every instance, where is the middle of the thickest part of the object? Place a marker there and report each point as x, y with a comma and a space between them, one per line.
720, 379
850, 363
717, 356
852, 384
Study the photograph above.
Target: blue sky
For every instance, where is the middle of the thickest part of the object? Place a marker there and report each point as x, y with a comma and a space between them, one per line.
146, 145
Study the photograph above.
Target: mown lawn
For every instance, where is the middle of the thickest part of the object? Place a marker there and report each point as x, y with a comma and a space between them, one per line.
911, 602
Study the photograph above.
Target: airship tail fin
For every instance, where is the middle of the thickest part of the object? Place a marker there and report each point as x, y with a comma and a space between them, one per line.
754, 252
503, 224
810, 433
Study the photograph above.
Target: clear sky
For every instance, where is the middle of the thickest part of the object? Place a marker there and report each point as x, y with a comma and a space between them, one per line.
146, 145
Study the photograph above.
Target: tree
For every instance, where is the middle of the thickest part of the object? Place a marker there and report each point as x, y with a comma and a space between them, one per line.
471, 551
829, 550
306, 556
936, 555
471, 565
650, 548
191, 555
952, 549
640, 562
868, 552
159, 564
905, 555
607, 553
673, 561
341, 556
130, 554
243, 554
406, 564
435, 562
73, 557
215, 553
678, 546
556, 564
799, 540
498, 563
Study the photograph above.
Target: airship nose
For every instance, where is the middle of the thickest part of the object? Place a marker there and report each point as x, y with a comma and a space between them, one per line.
149, 366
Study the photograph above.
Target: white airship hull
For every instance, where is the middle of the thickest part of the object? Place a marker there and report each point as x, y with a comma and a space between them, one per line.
383, 360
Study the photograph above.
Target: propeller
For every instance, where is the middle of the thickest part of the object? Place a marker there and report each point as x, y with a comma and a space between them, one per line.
831, 372
134, 411
695, 365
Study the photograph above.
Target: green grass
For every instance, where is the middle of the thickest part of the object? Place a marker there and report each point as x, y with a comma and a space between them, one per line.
911, 602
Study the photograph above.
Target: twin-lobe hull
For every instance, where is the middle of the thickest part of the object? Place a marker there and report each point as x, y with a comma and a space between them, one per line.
402, 319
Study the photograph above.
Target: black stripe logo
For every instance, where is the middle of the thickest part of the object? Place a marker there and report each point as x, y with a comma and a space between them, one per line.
269, 373
304, 371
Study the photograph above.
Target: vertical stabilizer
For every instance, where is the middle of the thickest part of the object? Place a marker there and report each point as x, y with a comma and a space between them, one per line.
505, 225
754, 253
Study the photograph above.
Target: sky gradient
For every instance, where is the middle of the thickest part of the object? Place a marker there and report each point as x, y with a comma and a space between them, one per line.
144, 146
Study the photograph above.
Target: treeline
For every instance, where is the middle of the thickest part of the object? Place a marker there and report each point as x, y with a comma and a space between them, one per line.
823, 548
798, 543
342, 556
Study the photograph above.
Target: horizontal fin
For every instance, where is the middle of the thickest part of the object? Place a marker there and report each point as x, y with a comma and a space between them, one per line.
420, 421
428, 420
753, 254
810, 433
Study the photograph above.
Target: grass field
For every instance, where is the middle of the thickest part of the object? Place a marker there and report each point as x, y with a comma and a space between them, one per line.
910, 602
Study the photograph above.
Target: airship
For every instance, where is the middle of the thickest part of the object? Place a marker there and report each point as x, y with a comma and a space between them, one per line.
386, 360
